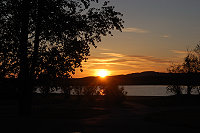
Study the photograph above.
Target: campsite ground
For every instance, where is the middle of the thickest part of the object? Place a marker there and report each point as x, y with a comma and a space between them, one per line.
56, 114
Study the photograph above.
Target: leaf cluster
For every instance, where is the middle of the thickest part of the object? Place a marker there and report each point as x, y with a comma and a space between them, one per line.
64, 31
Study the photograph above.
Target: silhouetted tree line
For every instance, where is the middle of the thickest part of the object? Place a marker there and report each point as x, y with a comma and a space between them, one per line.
109, 91
144, 78
46, 40
186, 75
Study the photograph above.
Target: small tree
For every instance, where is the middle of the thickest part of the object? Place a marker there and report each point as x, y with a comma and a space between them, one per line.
175, 86
89, 91
113, 93
191, 70
186, 74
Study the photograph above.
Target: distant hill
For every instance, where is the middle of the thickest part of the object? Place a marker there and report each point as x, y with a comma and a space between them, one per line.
143, 78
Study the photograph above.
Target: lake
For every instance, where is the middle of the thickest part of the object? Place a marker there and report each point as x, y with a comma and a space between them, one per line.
140, 90
151, 90
146, 90
143, 90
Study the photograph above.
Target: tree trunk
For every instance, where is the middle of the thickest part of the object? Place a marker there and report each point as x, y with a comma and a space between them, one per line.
37, 39
25, 91
189, 89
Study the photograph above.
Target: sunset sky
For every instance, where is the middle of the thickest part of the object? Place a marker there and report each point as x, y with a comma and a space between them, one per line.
157, 33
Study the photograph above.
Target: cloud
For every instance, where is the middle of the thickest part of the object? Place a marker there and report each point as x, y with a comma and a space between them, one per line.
164, 36
104, 49
126, 60
102, 59
149, 59
113, 54
117, 58
119, 63
135, 30
179, 51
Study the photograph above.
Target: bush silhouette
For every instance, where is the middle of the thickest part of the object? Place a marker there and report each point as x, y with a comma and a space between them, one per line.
113, 93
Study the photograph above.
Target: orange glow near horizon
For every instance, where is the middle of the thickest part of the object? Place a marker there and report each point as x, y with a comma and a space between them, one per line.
102, 73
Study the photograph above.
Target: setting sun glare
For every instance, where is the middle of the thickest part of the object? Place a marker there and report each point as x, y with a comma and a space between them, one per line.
102, 73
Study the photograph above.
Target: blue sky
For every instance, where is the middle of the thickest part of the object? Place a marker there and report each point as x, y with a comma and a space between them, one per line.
157, 33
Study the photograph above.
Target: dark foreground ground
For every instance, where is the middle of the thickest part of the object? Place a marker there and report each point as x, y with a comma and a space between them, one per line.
55, 114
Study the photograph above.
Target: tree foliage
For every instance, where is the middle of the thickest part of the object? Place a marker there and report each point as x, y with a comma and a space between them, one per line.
112, 93
48, 39
59, 34
186, 74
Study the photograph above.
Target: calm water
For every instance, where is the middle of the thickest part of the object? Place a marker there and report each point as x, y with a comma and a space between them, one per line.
151, 90
146, 90
143, 90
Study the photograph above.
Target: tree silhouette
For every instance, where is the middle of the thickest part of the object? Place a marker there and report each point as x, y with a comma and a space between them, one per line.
49, 37
188, 73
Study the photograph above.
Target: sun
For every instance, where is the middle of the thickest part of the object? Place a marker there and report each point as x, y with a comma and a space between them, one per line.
102, 73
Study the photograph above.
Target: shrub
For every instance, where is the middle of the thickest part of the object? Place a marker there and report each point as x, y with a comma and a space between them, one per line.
114, 94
